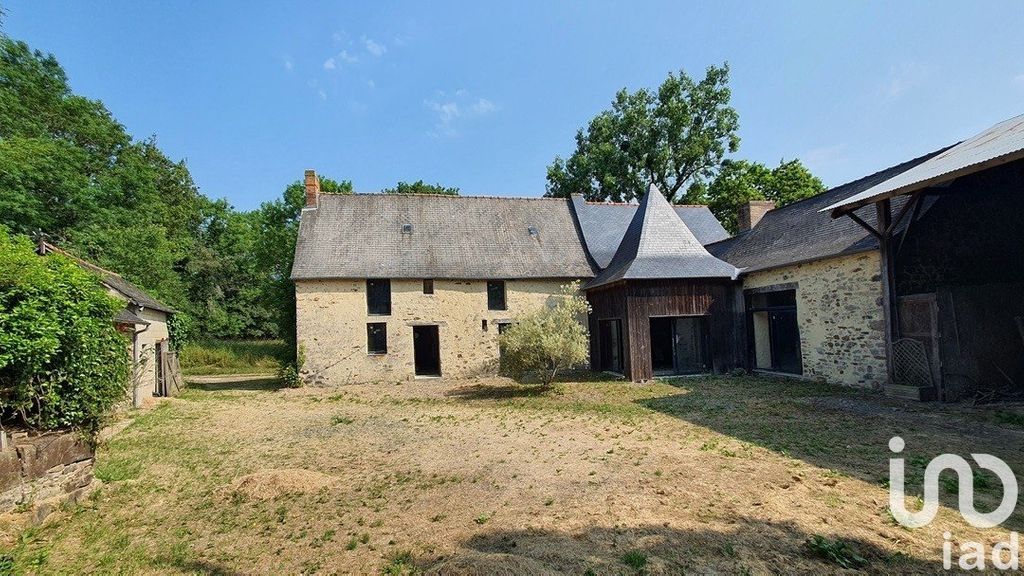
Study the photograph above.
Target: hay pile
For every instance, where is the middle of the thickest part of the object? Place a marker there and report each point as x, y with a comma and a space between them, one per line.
269, 484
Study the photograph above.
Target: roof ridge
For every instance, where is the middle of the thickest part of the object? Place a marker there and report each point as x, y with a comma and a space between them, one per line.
594, 203
80, 261
449, 196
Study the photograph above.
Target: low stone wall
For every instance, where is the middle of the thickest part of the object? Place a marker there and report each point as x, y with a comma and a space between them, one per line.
40, 472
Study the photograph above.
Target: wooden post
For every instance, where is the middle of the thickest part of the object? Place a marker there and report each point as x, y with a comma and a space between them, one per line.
884, 213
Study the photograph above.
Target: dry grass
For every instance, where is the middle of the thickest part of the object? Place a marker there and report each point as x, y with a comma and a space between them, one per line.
728, 475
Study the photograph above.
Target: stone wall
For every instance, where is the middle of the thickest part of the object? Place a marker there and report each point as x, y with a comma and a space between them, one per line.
839, 312
37, 473
331, 319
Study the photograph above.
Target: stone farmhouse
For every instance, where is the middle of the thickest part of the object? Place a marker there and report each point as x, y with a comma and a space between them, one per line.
907, 279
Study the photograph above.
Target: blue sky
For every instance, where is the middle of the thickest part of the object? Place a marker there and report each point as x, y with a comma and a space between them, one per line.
483, 96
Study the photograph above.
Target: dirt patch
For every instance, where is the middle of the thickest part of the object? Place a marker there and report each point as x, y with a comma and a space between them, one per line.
706, 475
483, 564
270, 484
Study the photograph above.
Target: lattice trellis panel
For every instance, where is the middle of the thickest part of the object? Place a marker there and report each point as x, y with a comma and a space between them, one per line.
910, 363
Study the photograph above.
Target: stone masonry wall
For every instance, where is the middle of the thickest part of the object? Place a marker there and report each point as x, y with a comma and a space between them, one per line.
839, 311
331, 327
37, 473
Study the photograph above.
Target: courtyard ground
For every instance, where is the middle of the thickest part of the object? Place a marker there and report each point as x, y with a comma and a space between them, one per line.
702, 475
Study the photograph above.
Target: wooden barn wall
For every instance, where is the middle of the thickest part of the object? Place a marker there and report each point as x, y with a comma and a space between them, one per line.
607, 304
968, 249
971, 235
981, 344
636, 302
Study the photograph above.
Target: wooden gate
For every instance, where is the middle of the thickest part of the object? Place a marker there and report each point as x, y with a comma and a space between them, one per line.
919, 320
168, 373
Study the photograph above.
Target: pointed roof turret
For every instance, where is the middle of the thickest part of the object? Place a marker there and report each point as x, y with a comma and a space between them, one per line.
658, 245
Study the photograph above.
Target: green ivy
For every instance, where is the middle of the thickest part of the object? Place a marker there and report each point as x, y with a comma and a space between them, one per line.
63, 364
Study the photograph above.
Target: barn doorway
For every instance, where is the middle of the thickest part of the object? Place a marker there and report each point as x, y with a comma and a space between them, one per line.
426, 346
679, 345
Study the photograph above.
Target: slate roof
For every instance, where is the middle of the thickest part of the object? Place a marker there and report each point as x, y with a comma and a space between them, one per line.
603, 225
463, 237
657, 244
113, 280
800, 232
126, 316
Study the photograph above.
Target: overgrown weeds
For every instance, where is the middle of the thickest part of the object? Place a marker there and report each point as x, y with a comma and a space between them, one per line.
216, 357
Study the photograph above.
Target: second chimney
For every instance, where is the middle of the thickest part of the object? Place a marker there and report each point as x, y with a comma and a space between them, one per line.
752, 212
312, 189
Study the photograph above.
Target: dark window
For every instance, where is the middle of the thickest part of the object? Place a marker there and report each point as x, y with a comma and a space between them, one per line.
483, 325
502, 326
496, 295
378, 297
377, 338
428, 286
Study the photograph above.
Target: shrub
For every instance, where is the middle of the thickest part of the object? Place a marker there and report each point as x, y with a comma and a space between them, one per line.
63, 364
548, 340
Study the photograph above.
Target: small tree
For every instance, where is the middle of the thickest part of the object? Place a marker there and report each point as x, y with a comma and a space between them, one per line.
546, 341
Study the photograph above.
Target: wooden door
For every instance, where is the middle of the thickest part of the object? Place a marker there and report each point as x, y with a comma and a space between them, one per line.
919, 320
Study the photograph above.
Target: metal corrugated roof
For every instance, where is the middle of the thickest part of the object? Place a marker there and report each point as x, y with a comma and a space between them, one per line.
603, 225
1001, 143
658, 245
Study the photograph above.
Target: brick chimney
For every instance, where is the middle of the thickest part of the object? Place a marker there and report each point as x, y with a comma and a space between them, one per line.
752, 212
312, 189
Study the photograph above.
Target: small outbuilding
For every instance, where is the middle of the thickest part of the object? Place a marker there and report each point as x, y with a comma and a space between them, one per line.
663, 305
144, 320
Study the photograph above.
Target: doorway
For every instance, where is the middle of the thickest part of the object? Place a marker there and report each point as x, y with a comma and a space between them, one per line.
610, 338
426, 345
679, 345
774, 331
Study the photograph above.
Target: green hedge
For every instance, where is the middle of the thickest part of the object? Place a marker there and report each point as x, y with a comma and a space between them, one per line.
63, 364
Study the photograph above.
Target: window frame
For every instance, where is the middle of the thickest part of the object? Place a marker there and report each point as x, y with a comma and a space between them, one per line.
371, 335
382, 308
491, 304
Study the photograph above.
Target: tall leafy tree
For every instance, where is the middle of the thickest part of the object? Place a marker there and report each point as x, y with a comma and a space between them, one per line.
277, 226
673, 136
740, 181
421, 187
70, 172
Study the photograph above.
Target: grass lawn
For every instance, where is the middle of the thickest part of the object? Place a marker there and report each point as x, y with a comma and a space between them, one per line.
719, 475
217, 357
